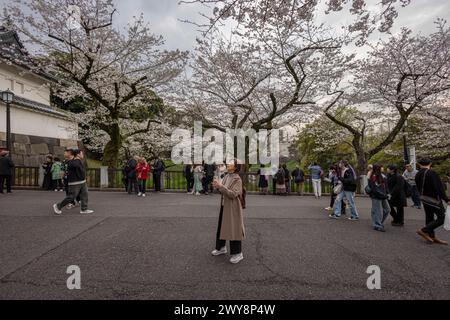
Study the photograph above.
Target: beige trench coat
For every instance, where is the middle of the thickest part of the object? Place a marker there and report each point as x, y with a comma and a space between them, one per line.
233, 217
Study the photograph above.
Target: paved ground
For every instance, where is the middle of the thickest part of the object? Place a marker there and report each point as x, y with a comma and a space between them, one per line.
159, 248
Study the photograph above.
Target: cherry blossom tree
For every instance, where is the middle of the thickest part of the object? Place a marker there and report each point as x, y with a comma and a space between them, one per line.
398, 78
256, 13
121, 73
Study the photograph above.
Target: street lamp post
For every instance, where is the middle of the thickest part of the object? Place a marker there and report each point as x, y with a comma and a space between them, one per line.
8, 97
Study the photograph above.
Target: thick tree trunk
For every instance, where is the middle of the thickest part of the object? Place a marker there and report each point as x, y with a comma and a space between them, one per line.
112, 148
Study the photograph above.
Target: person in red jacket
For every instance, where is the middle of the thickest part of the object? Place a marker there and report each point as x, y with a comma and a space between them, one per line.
142, 172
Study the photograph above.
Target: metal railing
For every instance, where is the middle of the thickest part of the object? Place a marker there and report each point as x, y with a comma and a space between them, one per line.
172, 180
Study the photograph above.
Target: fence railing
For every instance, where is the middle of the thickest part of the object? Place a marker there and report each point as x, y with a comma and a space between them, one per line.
171, 180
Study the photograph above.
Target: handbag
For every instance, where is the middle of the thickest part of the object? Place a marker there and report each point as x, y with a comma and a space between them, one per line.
338, 188
430, 201
447, 219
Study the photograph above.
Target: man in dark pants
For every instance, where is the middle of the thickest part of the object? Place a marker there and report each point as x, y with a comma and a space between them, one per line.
130, 170
189, 176
432, 191
209, 170
158, 169
6, 171
76, 179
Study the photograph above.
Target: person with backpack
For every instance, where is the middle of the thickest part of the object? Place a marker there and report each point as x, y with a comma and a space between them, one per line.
76, 179
316, 177
432, 194
231, 218
57, 175
378, 193
347, 177
397, 196
142, 172
280, 181
299, 179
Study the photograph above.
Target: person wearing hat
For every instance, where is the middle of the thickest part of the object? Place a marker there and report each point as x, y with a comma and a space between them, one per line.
410, 177
6, 171
432, 193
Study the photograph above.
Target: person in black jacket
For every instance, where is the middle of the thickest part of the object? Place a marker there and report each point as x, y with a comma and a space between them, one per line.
378, 185
130, 171
189, 176
158, 169
432, 193
6, 171
397, 196
299, 179
347, 177
47, 184
76, 179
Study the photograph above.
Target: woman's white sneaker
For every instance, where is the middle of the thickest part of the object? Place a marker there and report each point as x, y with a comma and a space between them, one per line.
56, 210
236, 258
219, 252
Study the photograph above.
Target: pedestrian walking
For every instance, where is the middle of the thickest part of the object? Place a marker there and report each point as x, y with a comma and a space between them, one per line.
76, 179
410, 176
231, 219
378, 187
316, 173
432, 194
333, 179
57, 175
6, 171
298, 175
142, 172
347, 177
397, 196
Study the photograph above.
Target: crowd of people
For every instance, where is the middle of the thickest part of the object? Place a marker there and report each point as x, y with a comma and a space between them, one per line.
388, 188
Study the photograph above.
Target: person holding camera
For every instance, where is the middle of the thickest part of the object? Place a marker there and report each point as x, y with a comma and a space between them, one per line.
77, 186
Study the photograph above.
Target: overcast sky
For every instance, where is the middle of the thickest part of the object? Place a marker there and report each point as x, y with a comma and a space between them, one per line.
164, 17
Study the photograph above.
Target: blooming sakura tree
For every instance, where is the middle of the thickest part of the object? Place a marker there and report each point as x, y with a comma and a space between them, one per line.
262, 78
256, 13
400, 77
432, 129
120, 72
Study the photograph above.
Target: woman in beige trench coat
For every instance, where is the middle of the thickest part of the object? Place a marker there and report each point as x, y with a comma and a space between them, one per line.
231, 218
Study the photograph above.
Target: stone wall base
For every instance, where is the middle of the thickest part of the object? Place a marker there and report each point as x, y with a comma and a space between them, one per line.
31, 151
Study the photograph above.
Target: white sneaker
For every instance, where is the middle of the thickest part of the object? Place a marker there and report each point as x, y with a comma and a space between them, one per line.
219, 252
86, 211
143, 195
56, 190
237, 258
56, 210
329, 209
139, 194
197, 193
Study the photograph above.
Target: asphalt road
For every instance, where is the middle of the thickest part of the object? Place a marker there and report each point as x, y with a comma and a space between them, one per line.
159, 248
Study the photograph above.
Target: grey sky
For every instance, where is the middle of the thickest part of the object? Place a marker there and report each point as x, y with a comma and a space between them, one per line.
164, 16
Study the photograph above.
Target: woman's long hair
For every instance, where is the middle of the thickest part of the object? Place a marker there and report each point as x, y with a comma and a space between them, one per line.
376, 172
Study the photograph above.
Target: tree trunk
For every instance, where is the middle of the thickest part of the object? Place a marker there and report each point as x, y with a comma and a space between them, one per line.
112, 148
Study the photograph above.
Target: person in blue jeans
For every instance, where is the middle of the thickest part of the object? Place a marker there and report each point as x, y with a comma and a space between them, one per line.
316, 177
410, 176
348, 179
379, 195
